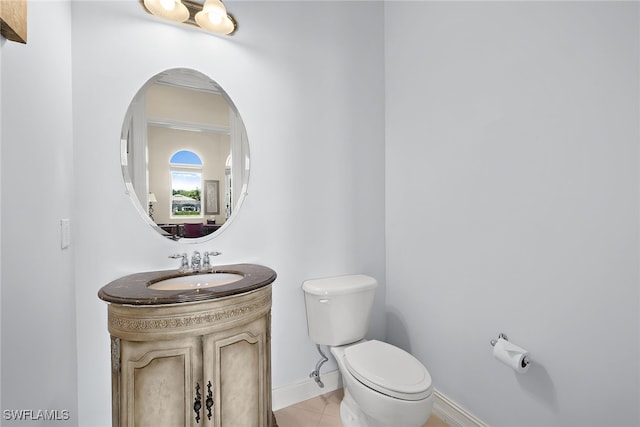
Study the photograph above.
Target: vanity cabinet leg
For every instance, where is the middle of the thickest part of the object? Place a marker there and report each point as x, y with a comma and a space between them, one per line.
115, 381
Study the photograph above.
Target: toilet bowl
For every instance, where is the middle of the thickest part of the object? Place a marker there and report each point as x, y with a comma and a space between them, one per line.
383, 385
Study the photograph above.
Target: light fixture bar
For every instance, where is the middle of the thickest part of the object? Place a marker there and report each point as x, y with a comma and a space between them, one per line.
229, 27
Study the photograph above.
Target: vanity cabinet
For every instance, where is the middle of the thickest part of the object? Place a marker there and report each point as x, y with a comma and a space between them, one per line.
205, 363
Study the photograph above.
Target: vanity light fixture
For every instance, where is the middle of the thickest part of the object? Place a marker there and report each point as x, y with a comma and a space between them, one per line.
211, 16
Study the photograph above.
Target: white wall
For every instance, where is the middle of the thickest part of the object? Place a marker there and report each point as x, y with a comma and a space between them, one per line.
316, 192
38, 301
512, 203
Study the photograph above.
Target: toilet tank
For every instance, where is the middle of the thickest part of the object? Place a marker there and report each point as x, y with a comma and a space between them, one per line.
339, 308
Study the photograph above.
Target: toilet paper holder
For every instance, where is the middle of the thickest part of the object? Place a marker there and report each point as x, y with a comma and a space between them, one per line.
502, 335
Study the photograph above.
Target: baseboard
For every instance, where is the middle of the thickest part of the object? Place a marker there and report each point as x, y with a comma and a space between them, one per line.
452, 413
295, 393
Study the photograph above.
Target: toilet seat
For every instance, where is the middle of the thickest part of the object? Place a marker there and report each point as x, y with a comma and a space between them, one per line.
388, 370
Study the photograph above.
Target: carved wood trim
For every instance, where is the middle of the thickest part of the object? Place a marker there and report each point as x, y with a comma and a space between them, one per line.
115, 355
166, 323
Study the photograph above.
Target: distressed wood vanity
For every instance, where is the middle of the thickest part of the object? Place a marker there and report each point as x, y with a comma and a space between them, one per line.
191, 357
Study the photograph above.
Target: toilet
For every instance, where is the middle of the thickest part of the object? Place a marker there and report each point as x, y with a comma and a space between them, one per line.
383, 384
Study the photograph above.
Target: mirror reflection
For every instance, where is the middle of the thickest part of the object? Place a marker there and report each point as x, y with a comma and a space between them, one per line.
184, 155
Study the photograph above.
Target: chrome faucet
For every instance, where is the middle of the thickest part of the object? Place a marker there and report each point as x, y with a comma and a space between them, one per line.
195, 261
206, 263
184, 264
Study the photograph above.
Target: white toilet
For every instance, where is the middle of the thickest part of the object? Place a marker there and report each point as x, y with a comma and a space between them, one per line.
383, 385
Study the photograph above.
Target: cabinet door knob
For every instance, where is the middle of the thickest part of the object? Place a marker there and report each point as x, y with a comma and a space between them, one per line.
209, 401
198, 403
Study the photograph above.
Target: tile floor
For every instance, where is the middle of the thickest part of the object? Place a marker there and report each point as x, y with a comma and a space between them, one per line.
324, 411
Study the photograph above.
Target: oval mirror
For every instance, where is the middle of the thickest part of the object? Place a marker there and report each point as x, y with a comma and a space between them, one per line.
184, 155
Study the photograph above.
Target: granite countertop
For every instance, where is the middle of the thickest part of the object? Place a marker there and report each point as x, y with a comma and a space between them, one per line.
134, 288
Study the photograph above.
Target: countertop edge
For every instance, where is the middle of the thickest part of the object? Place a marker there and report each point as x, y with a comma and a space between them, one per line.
133, 289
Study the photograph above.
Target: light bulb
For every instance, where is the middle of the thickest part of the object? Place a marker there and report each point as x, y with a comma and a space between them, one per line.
215, 18
168, 5
173, 10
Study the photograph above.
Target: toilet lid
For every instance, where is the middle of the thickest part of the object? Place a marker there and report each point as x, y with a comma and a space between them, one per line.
388, 369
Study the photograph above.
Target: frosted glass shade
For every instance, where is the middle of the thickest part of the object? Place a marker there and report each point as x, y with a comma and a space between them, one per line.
214, 17
172, 10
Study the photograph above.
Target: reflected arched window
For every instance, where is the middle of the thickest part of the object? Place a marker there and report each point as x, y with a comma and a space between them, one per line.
186, 184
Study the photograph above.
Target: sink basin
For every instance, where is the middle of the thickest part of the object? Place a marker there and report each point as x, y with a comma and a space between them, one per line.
196, 281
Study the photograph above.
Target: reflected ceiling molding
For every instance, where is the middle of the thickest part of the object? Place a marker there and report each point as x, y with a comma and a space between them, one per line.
187, 79
188, 127
211, 15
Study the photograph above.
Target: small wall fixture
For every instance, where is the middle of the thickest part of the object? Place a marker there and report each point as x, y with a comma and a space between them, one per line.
211, 16
152, 200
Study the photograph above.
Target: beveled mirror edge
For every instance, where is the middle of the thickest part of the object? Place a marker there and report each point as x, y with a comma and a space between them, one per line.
130, 190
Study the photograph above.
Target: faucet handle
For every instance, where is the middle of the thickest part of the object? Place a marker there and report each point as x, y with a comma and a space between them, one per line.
184, 264
206, 263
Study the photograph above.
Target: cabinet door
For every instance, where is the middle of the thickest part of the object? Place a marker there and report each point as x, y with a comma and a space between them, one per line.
236, 363
158, 383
